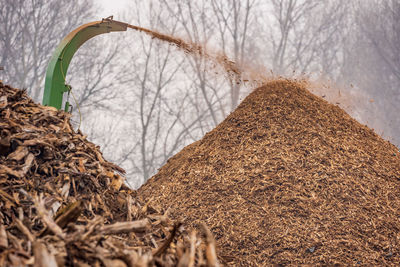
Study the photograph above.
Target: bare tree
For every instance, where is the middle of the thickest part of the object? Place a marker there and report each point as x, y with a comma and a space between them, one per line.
234, 20
306, 36
154, 118
98, 72
373, 62
195, 23
29, 31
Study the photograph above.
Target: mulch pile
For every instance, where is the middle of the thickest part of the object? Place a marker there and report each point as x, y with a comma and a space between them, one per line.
62, 204
288, 178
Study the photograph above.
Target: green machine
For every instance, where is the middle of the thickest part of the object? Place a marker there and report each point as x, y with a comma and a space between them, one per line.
55, 85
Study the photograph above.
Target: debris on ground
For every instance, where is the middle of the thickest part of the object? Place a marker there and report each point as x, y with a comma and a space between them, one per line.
63, 204
288, 179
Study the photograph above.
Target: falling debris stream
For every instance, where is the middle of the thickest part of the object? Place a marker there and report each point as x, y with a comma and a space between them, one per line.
285, 179
236, 74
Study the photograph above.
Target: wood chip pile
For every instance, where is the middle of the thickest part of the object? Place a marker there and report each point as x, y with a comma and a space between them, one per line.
62, 204
288, 178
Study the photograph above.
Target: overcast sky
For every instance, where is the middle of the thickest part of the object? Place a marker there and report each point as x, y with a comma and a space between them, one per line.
111, 7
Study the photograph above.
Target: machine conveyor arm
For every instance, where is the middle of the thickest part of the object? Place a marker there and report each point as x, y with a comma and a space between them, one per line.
55, 85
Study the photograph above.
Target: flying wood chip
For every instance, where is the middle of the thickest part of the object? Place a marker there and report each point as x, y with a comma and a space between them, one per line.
283, 173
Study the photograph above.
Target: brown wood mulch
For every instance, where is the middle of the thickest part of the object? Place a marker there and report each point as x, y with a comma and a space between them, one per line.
288, 179
63, 204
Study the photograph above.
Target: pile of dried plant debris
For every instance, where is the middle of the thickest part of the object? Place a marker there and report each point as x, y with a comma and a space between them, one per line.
62, 204
288, 178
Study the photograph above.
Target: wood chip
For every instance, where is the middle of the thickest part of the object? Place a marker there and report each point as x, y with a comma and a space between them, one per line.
283, 173
47, 168
125, 227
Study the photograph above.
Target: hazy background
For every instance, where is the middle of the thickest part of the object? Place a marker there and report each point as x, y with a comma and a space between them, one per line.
105, 8
142, 100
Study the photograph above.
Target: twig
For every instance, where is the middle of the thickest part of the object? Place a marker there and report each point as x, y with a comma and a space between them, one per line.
69, 214
211, 253
42, 257
129, 208
28, 163
192, 249
24, 230
44, 215
166, 244
3, 237
125, 227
